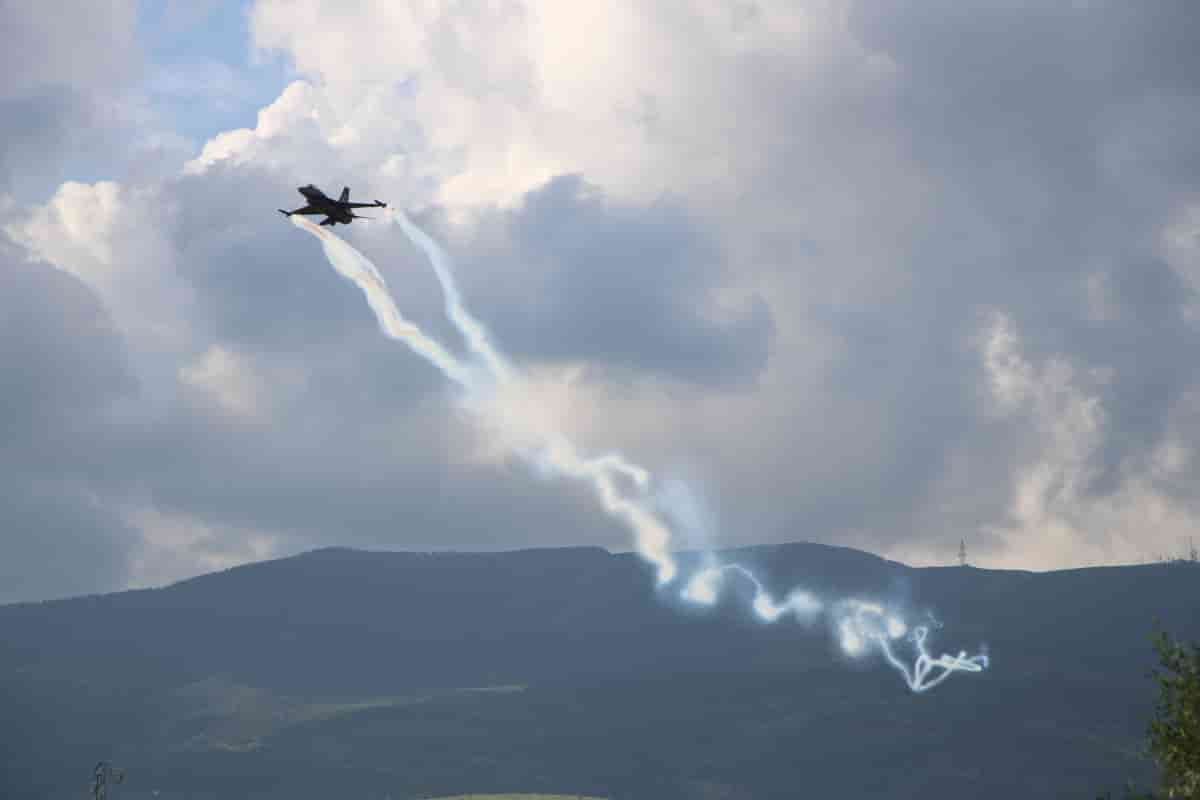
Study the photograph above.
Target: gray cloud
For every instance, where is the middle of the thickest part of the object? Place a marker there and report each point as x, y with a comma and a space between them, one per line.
92, 46
361, 441
1011, 155
622, 287
36, 130
64, 368
1035, 118
319, 467
60, 74
1013, 159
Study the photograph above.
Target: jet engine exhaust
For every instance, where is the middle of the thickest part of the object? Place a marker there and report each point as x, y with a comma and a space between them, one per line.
623, 489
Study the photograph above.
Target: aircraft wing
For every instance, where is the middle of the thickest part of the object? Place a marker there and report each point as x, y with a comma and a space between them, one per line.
376, 204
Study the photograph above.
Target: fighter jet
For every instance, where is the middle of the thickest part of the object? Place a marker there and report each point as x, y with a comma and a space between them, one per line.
335, 211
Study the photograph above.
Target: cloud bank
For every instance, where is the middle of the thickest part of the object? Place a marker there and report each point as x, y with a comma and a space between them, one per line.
860, 273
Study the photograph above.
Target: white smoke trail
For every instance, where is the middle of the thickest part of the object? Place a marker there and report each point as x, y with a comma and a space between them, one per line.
355, 267
864, 623
472, 329
558, 449
859, 624
705, 586
557, 453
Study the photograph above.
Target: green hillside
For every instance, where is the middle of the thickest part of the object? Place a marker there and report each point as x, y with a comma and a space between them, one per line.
350, 674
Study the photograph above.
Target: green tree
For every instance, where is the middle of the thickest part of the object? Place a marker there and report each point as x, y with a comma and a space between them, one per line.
1175, 729
1174, 741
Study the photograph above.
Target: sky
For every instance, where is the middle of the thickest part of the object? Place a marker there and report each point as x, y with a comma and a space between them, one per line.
862, 272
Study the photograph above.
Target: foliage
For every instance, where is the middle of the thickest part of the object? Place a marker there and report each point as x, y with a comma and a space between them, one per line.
1175, 729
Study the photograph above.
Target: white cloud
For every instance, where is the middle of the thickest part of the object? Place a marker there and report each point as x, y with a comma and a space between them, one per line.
869, 169
644, 100
641, 99
110, 237
272, 140
175, 546
1179, 244
1056, 520
228, 379
74, 231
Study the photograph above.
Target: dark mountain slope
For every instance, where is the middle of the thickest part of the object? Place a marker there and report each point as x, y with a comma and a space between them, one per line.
344, 666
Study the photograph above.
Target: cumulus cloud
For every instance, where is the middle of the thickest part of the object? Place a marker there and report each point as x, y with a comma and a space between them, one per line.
70, 107
269, 372
109, 236
296, 113
1055, 511
862, 272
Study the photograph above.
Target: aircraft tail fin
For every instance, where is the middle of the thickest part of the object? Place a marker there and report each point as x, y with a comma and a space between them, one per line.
345, 195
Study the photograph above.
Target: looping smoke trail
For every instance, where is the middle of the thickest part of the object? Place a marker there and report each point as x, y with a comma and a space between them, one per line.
859, 624
864, 623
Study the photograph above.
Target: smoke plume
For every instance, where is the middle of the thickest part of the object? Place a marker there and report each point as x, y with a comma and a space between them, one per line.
626, 491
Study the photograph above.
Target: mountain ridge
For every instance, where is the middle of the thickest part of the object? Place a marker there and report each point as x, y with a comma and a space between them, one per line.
318, 666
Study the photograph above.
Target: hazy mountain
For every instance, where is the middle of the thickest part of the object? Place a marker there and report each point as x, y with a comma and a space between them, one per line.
342, 673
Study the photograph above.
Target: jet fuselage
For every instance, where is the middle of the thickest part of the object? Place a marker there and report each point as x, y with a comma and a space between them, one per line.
335, 211
324, 204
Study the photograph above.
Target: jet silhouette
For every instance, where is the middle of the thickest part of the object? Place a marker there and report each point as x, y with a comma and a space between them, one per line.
334, 211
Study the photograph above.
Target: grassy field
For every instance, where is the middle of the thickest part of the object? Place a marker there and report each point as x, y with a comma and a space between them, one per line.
520, 797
